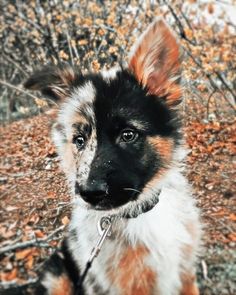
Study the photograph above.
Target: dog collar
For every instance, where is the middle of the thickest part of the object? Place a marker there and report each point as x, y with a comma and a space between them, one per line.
143, 208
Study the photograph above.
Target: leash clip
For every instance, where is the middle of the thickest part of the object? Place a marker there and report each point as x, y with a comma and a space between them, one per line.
103, 224
104, 229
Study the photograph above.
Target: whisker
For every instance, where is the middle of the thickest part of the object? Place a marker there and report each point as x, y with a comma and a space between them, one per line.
131, 189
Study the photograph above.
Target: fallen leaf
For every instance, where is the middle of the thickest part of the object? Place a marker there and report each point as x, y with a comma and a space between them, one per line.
30, 262
232, 217
6, 233
39, 233
23, 254
51, 195
65, 220
232, 237
8, 276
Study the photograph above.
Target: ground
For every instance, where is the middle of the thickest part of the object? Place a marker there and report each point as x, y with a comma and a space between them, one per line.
35, 201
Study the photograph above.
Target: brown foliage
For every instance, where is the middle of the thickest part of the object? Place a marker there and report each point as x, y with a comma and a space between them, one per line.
97, 34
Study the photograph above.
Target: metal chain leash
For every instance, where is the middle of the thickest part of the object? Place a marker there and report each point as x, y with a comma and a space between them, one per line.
104, 229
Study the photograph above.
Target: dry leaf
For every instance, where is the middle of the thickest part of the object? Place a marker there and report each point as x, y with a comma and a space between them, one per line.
232, 237
30, 262
51, 195
9, 276
23, 254
39, 233
65, 220
232, 217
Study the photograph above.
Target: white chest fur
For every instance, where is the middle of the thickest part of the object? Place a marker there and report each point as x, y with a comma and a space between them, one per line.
163, 243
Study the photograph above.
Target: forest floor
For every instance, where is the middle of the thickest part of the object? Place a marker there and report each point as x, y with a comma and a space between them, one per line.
34, 201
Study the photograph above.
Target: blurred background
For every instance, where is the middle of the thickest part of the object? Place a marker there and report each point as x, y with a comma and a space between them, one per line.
95, 34
34, 202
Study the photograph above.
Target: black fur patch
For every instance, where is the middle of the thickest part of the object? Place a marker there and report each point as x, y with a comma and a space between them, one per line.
58, 266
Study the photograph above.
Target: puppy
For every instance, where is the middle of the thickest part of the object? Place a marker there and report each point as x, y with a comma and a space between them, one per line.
119, 140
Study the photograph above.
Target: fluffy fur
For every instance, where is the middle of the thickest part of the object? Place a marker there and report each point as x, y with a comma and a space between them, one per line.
119, 139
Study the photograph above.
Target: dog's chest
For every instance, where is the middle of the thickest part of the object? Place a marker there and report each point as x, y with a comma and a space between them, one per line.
144, 254
123, 266
130, 271
130, 267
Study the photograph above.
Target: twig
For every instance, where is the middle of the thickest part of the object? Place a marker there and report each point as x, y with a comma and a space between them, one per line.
208, 102
183, 35
106, 27
69, 45
179, 24
14, 284
15, 64
32, 243
26, 19
75, 51
225, 84
20, 174
213, 84
7, 191
25, 92
204, 270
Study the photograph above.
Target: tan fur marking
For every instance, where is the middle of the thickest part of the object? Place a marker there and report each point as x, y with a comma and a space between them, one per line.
132, 276
69, 152
63, 287
189, 286
59, 285
193, 231
187, 251
164, 147
78, 119
191, 228
149, 186
67, 75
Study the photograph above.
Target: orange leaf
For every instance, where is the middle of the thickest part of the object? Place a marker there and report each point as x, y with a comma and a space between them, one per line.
219, 213
6, 233
210, 8
23, 254
9, 276
39, 233
30, 262
51, 195
232, 217
232, 237
65, 220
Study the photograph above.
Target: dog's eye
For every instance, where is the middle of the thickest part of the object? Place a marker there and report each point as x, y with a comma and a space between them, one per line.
128, 135
79, 141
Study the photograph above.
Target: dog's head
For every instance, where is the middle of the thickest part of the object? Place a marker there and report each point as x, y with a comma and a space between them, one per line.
117, 131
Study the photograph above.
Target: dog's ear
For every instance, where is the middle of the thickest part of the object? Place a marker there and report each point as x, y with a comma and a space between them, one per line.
155, 61
53, 81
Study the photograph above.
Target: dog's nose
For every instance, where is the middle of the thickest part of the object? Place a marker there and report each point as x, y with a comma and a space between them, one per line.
92, 192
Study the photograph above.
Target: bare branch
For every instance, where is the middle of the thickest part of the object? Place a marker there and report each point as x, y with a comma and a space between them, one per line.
14, 284
23, 91
15, 64
32, 243
212, 82
179, 24
69, 45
